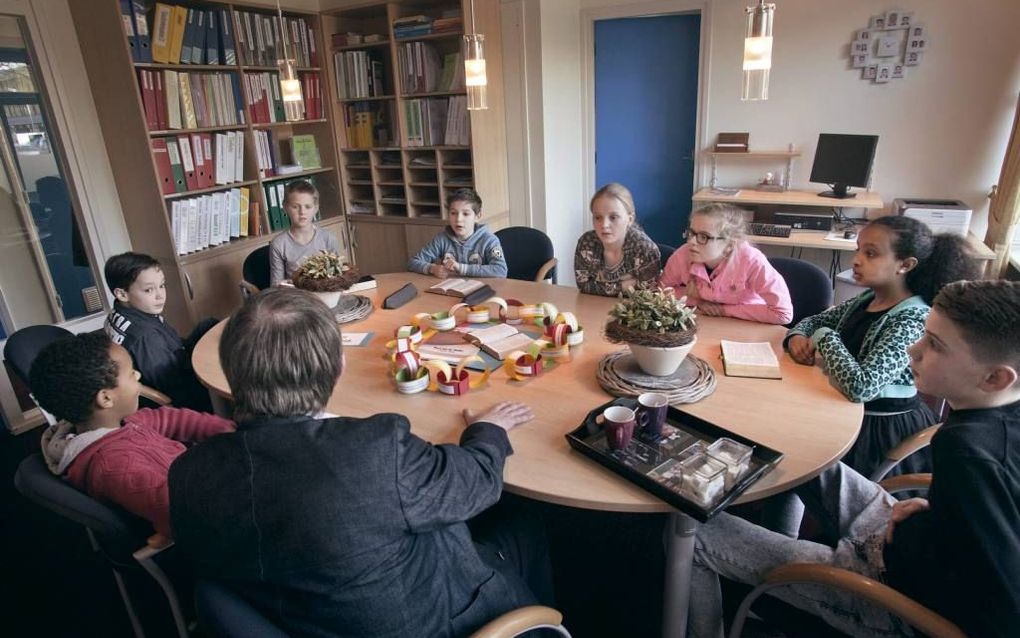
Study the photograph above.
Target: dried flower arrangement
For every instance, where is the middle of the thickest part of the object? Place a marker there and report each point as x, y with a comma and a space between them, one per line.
324, 272
653, 317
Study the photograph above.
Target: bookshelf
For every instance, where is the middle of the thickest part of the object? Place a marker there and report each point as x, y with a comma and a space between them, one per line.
202, 280
399, 149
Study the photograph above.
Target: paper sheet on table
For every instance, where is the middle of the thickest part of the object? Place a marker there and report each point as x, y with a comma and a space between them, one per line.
354, 339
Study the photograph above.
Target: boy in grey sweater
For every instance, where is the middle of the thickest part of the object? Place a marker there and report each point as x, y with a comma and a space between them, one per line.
465, 247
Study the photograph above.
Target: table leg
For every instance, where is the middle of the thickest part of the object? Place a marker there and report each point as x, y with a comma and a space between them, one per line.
680, 531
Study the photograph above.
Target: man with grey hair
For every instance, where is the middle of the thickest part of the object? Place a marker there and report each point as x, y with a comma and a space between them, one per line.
345, 526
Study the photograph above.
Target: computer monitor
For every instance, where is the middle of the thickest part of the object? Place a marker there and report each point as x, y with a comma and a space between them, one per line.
843, 161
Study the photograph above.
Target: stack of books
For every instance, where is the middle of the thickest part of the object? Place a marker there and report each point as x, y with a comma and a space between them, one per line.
265, 97
412, 26
200, 160
261, 41
182, 35
175, 99
358, 74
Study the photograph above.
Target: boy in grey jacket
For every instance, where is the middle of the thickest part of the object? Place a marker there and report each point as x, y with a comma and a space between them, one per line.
465, 247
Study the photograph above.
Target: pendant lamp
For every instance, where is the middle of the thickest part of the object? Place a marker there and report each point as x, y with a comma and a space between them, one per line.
474, 67
758, 51
290, 84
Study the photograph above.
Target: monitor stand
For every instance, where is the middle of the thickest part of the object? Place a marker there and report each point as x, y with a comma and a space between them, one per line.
839, 191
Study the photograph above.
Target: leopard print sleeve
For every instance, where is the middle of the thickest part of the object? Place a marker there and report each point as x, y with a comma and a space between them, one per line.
885, 358
827, 319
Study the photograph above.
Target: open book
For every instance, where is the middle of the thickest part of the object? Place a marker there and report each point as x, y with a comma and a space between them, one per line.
449, 352
456, 287
499, 340
741, 359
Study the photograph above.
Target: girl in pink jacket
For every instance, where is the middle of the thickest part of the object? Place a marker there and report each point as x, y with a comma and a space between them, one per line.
722, 274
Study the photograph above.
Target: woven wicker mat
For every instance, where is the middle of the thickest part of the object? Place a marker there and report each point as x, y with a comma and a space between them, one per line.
619, 375
351, 308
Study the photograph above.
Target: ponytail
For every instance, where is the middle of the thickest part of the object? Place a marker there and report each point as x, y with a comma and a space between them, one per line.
941, 259
949, 261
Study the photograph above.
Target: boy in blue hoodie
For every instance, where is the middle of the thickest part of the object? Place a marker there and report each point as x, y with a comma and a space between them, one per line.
465, 248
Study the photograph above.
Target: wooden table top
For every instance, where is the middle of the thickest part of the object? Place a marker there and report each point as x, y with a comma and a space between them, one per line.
816, 239
863, 199
801, 415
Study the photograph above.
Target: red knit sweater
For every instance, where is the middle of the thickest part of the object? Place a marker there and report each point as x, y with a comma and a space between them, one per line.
129, 467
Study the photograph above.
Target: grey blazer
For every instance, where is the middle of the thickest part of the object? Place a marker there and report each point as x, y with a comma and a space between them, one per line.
346, 527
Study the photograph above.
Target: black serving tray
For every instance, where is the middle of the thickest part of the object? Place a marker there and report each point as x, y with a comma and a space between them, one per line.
642, 456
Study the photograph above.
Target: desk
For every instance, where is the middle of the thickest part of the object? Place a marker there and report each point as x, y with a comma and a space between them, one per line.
749, 196
805, 418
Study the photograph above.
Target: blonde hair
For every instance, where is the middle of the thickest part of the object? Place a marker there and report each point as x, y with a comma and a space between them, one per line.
618, 192
731, 220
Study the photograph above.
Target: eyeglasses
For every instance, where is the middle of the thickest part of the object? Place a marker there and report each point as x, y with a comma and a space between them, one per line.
700, 238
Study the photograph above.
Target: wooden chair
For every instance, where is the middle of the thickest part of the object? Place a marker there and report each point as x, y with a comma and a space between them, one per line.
226, 614
913, 613
528, 253
906, 447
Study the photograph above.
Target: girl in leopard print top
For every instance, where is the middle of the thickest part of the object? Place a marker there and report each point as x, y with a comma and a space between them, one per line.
862, 343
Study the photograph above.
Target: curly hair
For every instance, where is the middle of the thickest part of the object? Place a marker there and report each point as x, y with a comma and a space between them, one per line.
988, 314
281, 354
941, 259
68, 374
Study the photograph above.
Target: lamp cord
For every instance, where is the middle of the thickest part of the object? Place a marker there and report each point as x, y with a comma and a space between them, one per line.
473, 29
283, 32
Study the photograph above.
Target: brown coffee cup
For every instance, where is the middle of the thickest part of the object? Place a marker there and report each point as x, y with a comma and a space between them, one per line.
619, 423
651, 413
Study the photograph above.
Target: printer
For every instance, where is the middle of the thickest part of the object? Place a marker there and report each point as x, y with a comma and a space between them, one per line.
941, 215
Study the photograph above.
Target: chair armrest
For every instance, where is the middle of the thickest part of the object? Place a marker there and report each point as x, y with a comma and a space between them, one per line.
520, 620
155, 395
247, 289
906, 447
886, 597
156, 544
543, 272
920, 481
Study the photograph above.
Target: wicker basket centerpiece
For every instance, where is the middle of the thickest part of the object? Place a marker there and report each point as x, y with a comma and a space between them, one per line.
326, 274
658, 327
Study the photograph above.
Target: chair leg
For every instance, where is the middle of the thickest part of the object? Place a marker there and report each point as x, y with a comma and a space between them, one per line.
168, 590
136, 625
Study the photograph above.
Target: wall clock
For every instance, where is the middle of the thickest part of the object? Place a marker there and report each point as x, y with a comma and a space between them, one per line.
892, 42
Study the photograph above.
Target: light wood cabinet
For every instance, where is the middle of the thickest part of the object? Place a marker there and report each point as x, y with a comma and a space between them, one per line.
201, 283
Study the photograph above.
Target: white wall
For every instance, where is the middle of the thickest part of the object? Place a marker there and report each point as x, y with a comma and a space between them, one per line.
943, 129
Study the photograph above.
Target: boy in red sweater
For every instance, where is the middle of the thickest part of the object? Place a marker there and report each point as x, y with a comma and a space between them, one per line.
105, 445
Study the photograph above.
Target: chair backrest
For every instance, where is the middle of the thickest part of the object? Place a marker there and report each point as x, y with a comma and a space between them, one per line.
256, 267
665, 252
526, 251
24, 345
810, 288
225, 613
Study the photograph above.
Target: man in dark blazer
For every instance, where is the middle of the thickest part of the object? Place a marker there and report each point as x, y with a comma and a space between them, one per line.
343, 526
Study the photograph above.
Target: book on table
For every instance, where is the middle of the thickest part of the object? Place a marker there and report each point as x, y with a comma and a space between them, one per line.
471, 290
366, 282
499, 340
747, 359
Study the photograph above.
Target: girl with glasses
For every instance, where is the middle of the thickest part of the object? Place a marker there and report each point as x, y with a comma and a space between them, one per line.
616, 255
722, 274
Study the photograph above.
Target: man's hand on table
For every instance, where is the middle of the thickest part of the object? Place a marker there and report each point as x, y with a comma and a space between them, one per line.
506, 414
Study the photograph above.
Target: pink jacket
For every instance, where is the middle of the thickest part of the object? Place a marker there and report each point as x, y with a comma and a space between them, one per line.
745, 284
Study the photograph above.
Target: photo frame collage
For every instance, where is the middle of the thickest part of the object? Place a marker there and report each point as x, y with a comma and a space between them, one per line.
892, 42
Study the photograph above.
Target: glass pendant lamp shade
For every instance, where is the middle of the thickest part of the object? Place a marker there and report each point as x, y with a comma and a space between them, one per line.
474, 72
757, 52
290, 88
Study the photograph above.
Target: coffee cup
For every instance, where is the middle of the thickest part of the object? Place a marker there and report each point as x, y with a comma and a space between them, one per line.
651, 413
619, 423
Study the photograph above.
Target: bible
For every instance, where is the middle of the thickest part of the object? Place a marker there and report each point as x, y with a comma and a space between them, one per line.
741, 359
499, 340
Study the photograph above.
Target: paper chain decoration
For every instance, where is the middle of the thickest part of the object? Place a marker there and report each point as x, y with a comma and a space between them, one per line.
412, 375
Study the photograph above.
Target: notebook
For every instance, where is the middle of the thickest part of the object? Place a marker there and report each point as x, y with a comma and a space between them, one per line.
744, 359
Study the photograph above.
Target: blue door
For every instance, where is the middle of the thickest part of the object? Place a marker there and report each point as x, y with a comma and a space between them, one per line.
646, 98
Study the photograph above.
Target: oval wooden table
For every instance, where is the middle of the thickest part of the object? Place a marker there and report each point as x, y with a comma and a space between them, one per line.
800, 415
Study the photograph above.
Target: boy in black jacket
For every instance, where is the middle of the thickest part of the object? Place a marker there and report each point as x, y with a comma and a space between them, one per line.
136, 322
956, 552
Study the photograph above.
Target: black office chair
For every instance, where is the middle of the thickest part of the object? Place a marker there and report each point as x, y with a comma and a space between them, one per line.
255, 271
665, 252
810, 288
23, 346
124, 541
528, 253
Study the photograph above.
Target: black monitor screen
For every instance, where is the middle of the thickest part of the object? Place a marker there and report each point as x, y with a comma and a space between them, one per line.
843, 160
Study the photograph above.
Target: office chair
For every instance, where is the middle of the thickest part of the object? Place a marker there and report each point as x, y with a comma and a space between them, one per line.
528, 253
25, 344
810, 288
123, 540
226, 614
665, 252
913, 613
255, 272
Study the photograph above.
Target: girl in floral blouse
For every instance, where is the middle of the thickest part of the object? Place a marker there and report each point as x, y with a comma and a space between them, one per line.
616, 255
